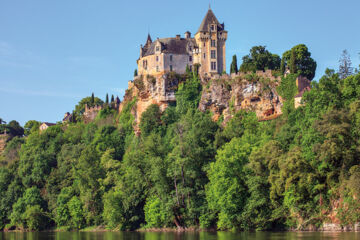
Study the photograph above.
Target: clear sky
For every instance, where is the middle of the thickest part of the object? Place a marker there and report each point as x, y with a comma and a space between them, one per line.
54, 53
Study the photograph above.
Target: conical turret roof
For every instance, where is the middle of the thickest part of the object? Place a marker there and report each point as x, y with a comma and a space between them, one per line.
210, 18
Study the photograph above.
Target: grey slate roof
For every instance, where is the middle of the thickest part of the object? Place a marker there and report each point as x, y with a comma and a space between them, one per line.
171, 45
209, 19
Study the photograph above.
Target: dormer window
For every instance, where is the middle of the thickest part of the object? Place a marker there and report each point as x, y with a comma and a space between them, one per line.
212, 27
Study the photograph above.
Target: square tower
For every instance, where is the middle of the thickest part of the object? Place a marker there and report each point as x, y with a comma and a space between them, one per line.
211, 38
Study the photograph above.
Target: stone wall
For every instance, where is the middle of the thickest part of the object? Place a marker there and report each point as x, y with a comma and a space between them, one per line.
90, 113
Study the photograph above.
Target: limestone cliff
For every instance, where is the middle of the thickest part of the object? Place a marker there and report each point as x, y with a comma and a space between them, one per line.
3, 139
222, 95
225, 95
149, 90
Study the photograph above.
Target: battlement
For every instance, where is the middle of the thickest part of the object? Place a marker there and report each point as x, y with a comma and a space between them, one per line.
91, 113
265, 74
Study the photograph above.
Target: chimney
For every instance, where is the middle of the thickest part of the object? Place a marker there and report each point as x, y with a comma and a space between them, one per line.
187, 35
178, 37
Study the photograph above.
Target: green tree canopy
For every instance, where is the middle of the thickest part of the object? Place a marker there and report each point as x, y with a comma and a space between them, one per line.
234, 66
260, 59
298, 60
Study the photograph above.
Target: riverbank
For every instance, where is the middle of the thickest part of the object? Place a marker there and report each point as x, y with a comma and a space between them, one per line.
327, 227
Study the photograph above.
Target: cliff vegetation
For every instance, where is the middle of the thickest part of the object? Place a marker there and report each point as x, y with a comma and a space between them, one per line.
203, 161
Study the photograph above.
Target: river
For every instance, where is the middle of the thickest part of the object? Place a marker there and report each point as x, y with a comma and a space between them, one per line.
179, 236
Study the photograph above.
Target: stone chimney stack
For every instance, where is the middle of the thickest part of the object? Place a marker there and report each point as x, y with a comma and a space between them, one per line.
187, 35
178, 37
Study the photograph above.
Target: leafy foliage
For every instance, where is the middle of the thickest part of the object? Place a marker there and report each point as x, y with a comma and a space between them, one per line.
185, 170
260, 59
299, 61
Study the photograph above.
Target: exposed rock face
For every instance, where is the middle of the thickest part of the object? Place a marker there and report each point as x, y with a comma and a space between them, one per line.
222, 95
332, 227
149, 90
228, 94
3, 139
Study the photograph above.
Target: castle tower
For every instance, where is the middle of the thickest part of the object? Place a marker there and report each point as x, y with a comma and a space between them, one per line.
211, 38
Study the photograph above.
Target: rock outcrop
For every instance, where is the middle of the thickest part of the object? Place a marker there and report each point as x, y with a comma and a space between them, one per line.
3, 139
225, 95
149, 90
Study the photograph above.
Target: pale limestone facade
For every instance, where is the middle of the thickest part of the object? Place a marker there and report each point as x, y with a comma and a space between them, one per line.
207, 50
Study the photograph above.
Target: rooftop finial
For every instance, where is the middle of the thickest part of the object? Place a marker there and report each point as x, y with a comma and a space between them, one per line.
209, 6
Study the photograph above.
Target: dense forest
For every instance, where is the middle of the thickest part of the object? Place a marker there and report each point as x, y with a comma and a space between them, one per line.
186, 170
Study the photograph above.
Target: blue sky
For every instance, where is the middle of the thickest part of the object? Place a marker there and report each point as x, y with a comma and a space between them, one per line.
54, 53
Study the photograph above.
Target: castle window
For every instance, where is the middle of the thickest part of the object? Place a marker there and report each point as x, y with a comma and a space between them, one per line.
157, 68
145, 64
213, 54
213, 43
190, 48
157, 48
204, 55
212, 27
190, 68
204, 44
190, 58
157, 58
171, 68
170, 58
213, 66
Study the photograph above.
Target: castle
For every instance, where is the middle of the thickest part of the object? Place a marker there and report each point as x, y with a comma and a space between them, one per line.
205, 51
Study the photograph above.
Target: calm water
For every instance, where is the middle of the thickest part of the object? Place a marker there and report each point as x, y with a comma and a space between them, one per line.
178, 236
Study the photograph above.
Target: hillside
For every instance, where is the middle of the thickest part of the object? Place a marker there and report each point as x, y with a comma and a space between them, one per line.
229, 152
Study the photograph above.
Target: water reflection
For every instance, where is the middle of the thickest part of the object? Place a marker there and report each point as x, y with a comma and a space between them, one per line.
179, 236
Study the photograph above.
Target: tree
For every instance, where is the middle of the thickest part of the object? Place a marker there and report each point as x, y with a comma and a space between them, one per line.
14, 129
92, 98
260, 59
35, 218
301, 62
76, 212
107, 99
150, 119
2, 121
293, 61
282, 66
135, 73
31, 126
233, 66
112, 98
345, 69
